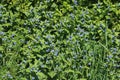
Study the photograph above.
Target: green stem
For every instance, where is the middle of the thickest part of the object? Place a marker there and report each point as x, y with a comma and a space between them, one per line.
106, 35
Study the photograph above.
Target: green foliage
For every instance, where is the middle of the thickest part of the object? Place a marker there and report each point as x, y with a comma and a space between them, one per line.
59, 40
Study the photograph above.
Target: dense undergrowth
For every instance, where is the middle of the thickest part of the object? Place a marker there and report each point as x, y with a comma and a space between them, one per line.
59, 40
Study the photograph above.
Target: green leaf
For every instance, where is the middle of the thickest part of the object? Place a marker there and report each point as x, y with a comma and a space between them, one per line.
69, 71
1, 48
83, 79
41, 75
52, 74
